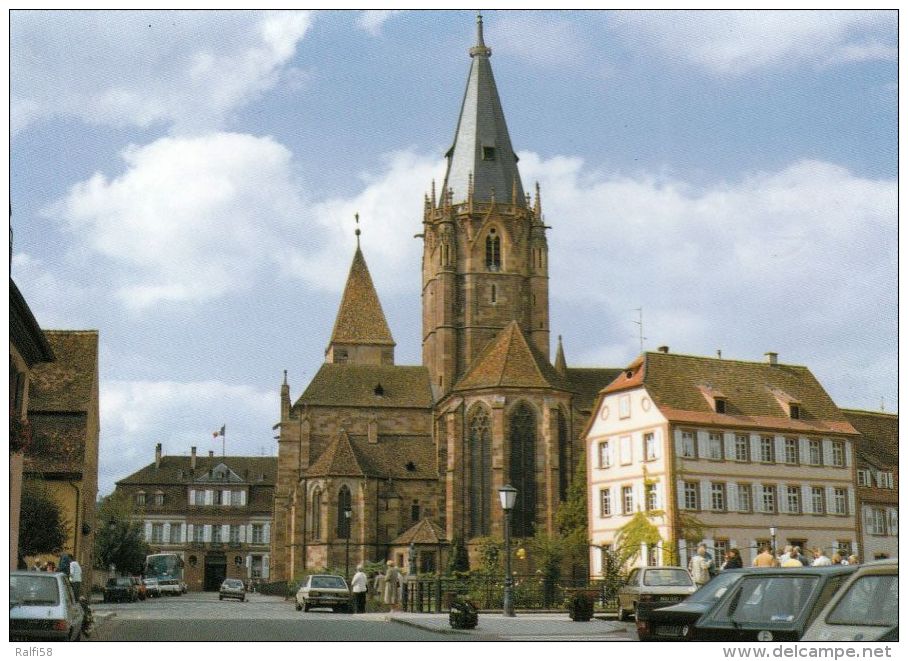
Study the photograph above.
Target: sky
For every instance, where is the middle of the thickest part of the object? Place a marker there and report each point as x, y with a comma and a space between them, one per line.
186, 183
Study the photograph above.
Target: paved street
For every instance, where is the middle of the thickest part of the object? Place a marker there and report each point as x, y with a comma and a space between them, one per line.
201, 617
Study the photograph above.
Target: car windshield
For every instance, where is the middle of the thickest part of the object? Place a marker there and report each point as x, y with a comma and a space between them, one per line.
124, 581
667, 578
34, 590
870, 601
715, 589
327, 582
770, 599
233, 583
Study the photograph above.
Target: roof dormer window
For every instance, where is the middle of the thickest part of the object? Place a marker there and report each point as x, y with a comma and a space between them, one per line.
488, 153
720, 405
794, 410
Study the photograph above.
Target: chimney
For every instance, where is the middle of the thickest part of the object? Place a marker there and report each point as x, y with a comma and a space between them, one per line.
772, 357
157, 456
211, 453
192, 459
663, 348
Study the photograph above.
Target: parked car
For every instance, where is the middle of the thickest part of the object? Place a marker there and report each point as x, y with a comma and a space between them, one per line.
772, 604
677, 622
865, 609
42, 607
152, 588
169, 586
120, 589
324, 590
232, 588
141, 593
655, 587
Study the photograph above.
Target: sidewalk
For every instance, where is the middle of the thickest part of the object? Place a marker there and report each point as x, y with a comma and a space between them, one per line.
525, 626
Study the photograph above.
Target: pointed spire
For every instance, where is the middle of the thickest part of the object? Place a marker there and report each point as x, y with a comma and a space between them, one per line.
433, 194
538, 207
560, 363
482, 145
285, 377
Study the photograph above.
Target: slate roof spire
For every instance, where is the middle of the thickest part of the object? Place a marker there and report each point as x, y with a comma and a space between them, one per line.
482, 147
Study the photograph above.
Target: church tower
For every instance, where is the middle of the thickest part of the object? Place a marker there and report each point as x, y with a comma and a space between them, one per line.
485, 256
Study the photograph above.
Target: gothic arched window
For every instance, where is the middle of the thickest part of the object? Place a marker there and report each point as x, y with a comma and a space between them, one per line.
493, 251
316, 527
343, 506
480, 458
522, 468
565, 458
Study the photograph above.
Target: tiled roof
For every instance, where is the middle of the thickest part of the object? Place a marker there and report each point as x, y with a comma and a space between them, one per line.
588, 381
67, 384
395, 457
175, 470
879, 431
425, 531
58, 444
24, 332
510, 361
360, 319
751, 391
344, 384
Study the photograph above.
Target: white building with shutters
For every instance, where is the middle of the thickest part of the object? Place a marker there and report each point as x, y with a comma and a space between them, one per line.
719, 452
216, 512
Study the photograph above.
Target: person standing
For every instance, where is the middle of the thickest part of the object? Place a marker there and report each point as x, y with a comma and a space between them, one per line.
359, 585
699, 567
820, 559
75, 577
732, 560
794, 559
853, 560
392, 586
786, 555
765, 559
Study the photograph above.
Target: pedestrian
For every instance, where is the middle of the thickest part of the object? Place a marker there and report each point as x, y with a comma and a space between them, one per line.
804, 558
75, 577
787, 554
50, 566
837, 559
794, 559
699, 567
392, 586
853, 560
732, 560
63, 564
765, 559
359, 585
820, 559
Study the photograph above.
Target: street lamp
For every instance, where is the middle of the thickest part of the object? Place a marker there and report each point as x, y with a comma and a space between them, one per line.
508, 496
772, 535
347, 515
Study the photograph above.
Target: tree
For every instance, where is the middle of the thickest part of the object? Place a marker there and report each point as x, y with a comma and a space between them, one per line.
571, 518
459, 561
639, 530
549, 553
119, 540
42, 525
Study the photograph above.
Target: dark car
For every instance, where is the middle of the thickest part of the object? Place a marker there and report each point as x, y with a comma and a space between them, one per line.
120, 589
772, 604
42, 607
677, 622
232, 588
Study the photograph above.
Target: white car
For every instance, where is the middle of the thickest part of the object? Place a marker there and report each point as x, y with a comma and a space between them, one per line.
866, 608
654, 586
42, 607
324, 591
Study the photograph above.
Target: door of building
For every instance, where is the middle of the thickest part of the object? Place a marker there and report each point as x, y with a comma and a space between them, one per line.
215, 571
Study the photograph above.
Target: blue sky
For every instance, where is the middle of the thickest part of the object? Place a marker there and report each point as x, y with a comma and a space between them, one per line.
186, 184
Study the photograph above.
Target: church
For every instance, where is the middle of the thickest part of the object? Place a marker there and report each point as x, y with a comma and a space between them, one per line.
374, 456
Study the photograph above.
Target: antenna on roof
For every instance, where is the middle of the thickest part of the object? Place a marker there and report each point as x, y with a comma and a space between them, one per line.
639, 323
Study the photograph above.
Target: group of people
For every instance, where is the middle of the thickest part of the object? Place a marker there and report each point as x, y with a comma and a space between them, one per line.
793, 556
386, 586
702, 567
69, 566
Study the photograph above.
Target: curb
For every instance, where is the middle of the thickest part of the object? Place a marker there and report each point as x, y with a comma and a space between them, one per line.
447, 632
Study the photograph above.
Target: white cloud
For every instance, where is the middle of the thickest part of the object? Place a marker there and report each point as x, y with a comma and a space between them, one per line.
135, 415
190, 219
190, 70
802, 261
538, 38
55, 300
372, 20
733, 43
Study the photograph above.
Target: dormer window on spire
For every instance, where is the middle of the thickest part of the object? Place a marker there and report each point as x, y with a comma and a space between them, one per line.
488, 153
493, 251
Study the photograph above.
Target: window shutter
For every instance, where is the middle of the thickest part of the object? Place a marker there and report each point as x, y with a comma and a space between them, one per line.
166, 532
660, 497
243, 497
209, 496
702, 444
728, 440
266, 564
225, 533
827, 452
705, 497
207, 533
756, 495
868, 519
192, 496
803, 451
189, 532
679, 486
242, 532
894, 522
878, 478
657, 443
754, 447
679, 445
847, 453
830, 500
731, 495
806, 499
148, 531
780, 449
850, 501
267, 533
782, 498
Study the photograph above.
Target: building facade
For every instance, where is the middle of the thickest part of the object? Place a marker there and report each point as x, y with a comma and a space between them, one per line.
62, 457
728, 453
215, 512
877, 482
392, 445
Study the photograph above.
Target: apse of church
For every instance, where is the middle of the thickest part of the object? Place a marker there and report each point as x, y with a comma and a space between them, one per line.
374, 454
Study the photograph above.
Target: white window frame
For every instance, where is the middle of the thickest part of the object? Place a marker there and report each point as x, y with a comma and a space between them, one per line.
878, 521
605, 502
651, 496
742, 440
793, 499
840, 501
715, 446
176, 533
863, 477
605, 454
768, 502
838, 454
767, 442
258, 533
691, 495
649, 446
717, 497
817, 507
745, 503
157, 533
791, 444
688, 444
815, 445
627, 499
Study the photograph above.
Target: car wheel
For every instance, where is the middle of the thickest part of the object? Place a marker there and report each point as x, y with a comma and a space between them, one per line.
305, 607
634, 611
220, 597
299, 606
622, 616
242, 598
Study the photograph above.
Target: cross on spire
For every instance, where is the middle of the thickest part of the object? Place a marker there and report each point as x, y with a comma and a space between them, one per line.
357, 232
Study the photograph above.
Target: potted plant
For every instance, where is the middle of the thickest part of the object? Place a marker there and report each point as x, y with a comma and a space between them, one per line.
464, 614
580, 606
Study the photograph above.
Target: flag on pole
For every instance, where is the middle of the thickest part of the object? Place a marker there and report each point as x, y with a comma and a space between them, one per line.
221, 431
